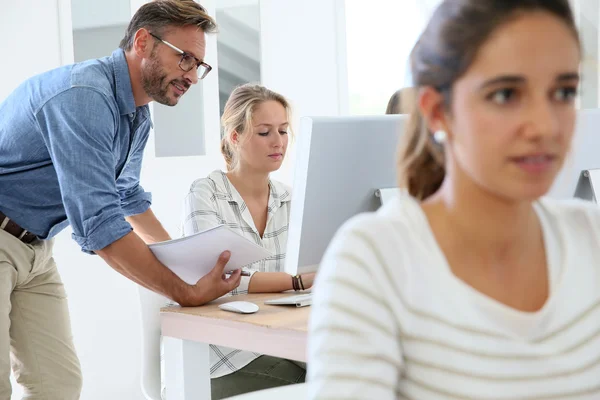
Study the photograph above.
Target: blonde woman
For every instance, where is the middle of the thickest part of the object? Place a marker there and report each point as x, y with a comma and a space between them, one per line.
471, 284
255, 138
401, 102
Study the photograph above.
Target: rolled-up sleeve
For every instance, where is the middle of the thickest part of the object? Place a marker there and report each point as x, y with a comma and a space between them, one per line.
79, 128
134, 199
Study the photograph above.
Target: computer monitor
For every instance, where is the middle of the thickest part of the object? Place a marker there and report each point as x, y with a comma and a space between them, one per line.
585, 154
340, 164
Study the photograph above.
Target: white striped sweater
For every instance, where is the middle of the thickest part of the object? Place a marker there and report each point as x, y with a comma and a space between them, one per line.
390, 321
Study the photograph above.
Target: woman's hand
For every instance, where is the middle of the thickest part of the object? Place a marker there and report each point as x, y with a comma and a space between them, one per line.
308, 279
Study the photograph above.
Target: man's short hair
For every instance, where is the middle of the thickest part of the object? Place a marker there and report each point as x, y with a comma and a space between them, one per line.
158, 15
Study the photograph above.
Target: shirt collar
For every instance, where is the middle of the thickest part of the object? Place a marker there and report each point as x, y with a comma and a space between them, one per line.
280, 193
124, 92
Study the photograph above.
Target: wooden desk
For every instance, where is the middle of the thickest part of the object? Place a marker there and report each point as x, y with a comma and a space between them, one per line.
278, 331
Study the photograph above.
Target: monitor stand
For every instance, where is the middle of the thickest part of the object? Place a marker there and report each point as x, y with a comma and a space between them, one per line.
588, 184
386, 194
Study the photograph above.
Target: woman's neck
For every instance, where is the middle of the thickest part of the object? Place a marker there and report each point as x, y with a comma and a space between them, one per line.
495, 227
249, 184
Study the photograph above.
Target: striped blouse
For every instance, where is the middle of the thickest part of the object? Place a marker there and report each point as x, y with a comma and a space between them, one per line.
390, 321
214, 201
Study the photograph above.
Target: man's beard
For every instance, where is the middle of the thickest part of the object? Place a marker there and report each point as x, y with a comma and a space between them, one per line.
153, 82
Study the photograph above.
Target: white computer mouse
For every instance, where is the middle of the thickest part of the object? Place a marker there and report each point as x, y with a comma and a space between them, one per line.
242, 307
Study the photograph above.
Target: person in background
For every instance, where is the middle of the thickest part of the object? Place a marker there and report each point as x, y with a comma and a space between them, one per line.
471, 284
71, 146
402, 101
256, 128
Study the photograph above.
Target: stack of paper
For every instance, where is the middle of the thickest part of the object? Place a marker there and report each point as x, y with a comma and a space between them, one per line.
194, 256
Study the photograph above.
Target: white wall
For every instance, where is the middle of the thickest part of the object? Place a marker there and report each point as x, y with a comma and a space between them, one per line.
303, 57
587, 15
247, 14
22, 43
99, 13
96, 42
381, 35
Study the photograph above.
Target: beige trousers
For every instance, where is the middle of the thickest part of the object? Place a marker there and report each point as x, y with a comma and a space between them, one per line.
35, 331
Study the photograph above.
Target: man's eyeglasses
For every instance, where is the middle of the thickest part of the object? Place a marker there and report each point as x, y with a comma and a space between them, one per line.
188, 61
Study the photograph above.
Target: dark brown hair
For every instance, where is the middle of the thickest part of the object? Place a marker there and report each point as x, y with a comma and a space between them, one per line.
158, 15
443, 53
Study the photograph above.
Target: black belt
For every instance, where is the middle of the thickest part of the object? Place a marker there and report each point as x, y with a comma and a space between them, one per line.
11, 227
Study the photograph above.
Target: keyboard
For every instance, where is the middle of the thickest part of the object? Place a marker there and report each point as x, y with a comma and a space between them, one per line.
299, 300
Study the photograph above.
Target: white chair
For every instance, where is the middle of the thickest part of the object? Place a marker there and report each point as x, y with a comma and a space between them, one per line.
289, 392
150, 305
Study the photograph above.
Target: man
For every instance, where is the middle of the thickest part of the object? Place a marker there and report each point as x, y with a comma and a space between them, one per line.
71, 145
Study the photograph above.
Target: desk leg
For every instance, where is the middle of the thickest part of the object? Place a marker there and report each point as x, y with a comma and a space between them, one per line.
187, 370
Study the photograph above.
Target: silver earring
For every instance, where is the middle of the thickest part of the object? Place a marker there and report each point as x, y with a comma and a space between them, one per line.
440, 136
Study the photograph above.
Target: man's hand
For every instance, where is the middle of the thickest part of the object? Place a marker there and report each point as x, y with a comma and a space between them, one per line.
215, 284
131, 257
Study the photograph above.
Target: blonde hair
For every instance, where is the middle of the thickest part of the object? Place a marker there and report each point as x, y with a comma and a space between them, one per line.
159, 15
444, 51
402, 101
238, 114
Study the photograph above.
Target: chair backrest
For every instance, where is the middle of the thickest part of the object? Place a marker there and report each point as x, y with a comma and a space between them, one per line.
150, 305
298, 391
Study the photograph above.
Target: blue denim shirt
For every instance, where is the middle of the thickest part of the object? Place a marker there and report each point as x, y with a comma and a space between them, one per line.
71, 146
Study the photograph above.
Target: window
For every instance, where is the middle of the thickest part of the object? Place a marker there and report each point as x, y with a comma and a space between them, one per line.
380, 35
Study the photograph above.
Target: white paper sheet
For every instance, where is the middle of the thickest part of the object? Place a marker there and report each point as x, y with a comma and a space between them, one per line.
194, 256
